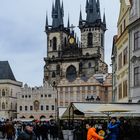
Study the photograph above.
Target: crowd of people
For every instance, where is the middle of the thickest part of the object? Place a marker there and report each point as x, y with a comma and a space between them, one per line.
116, 129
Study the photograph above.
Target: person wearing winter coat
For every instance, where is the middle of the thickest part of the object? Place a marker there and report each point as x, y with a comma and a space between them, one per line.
91, 134
113, 128
27, 134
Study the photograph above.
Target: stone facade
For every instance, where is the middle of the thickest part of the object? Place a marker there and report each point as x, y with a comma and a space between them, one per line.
36, 102
70, 64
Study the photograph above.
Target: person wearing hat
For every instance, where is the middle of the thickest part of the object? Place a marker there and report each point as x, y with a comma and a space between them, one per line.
113, 127
28, 133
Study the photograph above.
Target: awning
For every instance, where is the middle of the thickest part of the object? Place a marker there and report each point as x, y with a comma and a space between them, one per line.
78, 110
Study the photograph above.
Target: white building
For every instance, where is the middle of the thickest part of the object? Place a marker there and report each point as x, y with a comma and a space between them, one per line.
37, 102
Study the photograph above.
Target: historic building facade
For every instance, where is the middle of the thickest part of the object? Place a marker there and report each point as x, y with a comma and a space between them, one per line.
134, 61
71, 63
36, 102
120, 55
126, 55
9, 89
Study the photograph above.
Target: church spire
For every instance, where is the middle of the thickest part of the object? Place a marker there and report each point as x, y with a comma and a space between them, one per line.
91, 10
80, 17
68, 25
98, 9
104, 20
46, 26
57, 14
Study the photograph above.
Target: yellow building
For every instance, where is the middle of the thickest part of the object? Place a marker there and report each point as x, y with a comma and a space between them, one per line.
122, 57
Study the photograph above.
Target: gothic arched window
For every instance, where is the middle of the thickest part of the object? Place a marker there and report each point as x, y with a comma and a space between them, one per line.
71, 73
90, 39
53, 75
54, 44
65, 41
3, 105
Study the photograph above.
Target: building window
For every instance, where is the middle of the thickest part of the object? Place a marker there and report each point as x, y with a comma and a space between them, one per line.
41, 107
120, 91
65, 42
78, 89
52, 107
29, 96
41, 95
53, 75
90, 39
124, 24
20, 108
50, 43
54, 44
125, 88
89, 65
137, 76
47, 107
25, 96
3, 105
71, 73
125, 56
71, 89
121, 29
137, 40
22, 96
26, 108
89, 89
31, 108
49, 95
83, 89
102, 40
45, 95
120, 61
3, 92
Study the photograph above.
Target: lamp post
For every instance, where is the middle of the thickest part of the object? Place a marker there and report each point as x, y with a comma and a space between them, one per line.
56, 101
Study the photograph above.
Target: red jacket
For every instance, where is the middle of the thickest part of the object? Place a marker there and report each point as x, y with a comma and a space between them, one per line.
92, 135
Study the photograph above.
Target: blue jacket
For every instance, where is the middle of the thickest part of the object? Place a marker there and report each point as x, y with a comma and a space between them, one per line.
114, 130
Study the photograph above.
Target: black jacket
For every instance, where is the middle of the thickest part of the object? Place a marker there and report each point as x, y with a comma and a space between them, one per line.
27, 136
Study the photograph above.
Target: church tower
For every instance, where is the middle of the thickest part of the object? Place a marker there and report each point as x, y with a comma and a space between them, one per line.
67, 57
93, 30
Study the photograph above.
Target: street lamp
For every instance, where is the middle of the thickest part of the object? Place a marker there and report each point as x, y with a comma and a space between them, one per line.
56, 101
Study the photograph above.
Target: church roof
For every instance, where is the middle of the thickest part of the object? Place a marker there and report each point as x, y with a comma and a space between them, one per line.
6, 71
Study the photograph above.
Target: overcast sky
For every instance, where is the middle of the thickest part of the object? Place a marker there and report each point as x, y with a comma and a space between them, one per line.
22, 37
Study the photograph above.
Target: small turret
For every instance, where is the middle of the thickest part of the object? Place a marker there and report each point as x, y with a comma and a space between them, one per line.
80, 18
104, 20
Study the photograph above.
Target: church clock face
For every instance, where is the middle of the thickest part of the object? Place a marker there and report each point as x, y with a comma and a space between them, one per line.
71, 73
71, 40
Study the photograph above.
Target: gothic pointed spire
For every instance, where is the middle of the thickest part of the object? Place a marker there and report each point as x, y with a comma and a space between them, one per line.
98, 9
57, 15
104, 20
92, 14
46, 26
68, 25
80, 17
86, 5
